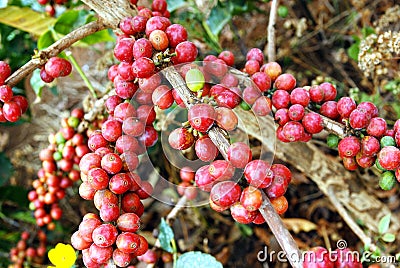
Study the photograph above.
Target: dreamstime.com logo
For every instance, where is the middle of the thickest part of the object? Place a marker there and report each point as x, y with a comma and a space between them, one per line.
345, 256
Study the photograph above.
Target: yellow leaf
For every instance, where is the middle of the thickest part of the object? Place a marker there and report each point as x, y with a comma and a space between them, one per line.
26, 19
299, 225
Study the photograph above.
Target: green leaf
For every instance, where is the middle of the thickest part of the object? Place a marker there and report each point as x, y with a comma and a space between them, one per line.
66, 22
25, 216
353, 51
37, 83
16, 194
26, 19
197, 259
165, 236
388, 237
367, 31
45, 40
332, 140
98, 37
383, 225
219, 17
245, 229
6, 168
175, 4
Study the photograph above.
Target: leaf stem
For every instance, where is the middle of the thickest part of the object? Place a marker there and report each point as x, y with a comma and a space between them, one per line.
81, 73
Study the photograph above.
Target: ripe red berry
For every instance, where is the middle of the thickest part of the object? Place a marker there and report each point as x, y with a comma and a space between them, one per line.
329, 109
251, 67
228, 57
104, 235
143, 67
262, 80
12, 111
181, 139
111, 130
377, 127
5, 71
176, 34
358, 119
142, 48
205, 149
349, 147
128, 242
293, 131
296, 112
273, 69
162, 97
258, 173
6, 93
389, 158
313, 123
239, 154
370, 146
57, 67
251, 198
159, 39
280, 99
201, 117
225, 193
255, 54
285, 82
221, 170
262, 106
240, 214
329, 91
345, 106
185, 52
317, 257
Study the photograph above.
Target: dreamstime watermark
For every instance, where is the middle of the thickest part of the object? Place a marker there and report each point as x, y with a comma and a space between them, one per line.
329, 254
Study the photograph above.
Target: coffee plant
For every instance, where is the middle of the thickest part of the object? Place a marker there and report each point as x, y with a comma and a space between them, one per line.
164, 94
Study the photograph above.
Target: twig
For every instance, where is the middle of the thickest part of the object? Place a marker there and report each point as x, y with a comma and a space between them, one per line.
276, 225
53, 50
271, 30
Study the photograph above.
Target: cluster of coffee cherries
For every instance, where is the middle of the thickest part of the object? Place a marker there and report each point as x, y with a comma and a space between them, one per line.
219, 91
55, 67
30, 250
320, 257
59, 169
50, 5
12, 106
107, 172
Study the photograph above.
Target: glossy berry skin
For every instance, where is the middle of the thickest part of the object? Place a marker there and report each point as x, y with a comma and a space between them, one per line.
133, 126
280, 204
226, 118
280, 99
345, 106
313, 123
262, 106
159, 39
221, 170
205, 149
176, 34
128, 242
258, 173
296, 112
317, 257
251, 94
111, 163
280, 182
57, 67
162, 97
293, 131
142, 48
350, 163
389, 158
104, 235
285, 82
203, 178
6, 93
120, 183
239, 154
111, 130
228, 57
186, 52
240, 214
99, 254
98, 178
143, 67
369, 108
329, 109
300, 96
262, 80
251, 198
251, 67
12, 111
377, 127
370, 146
186, 174
255, 54
316, 94
181, 139
225, 193
5, 71
201, 117
273, 69
149, 137
365, 161
128, 222
329, 91
349, 146
358, 119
